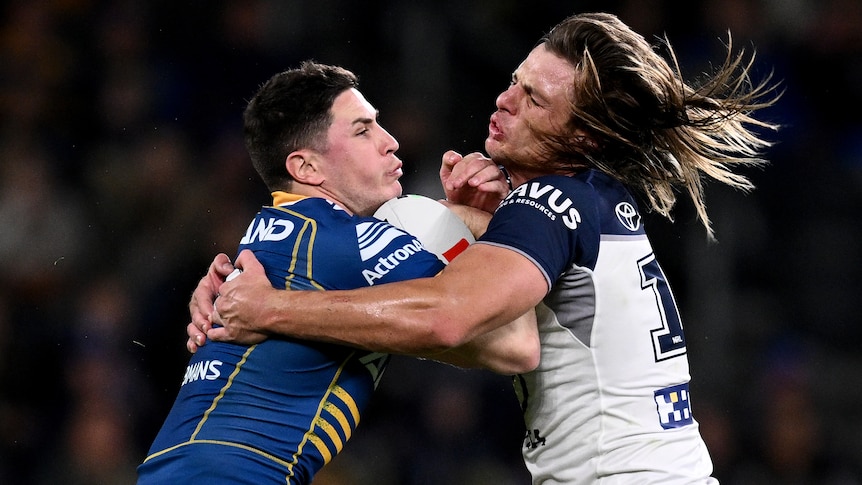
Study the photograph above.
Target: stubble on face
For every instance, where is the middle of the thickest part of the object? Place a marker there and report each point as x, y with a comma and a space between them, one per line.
363, 171
534, 109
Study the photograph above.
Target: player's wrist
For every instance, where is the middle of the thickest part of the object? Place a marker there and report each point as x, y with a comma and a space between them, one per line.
274, 313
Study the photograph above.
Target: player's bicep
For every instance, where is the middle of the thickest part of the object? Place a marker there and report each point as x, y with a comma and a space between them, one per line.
494, 284
547, 242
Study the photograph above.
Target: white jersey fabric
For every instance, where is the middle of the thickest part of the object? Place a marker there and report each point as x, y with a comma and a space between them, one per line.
609, 402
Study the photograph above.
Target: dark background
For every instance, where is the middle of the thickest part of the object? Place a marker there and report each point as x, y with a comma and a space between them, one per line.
122, 173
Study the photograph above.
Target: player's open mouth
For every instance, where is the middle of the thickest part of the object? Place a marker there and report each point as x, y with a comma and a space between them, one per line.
494, 129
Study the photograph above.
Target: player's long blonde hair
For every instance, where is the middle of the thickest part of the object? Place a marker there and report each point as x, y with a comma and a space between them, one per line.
646, 126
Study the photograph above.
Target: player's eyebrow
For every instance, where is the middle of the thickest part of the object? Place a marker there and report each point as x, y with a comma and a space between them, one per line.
530, 90
362, 120
536, 95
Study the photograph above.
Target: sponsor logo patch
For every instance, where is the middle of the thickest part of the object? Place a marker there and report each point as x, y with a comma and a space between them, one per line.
547, 199
207, 370
673, 406
628, 216
271, 229
375, 237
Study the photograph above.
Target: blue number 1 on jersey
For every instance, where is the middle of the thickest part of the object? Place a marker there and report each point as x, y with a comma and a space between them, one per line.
668, 340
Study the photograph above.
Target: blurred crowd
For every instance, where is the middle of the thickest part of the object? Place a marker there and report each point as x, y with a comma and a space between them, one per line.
127, 114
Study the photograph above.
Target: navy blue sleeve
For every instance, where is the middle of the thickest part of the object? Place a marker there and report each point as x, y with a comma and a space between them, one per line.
551, 220
388, 254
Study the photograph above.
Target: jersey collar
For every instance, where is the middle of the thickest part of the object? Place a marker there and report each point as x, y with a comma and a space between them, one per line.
283, 198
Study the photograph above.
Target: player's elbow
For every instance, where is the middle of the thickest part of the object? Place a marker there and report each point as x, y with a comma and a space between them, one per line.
520, 359
527, 361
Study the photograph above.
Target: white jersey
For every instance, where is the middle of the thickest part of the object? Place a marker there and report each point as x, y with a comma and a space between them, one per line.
609, 402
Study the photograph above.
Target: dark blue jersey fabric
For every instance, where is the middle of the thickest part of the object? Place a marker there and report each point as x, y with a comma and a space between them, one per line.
558, 221
276, 412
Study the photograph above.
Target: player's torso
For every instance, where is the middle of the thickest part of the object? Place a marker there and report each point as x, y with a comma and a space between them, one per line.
610, 393
289, 406
293, 405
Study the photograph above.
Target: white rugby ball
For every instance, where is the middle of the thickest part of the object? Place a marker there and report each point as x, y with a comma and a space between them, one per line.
432, 223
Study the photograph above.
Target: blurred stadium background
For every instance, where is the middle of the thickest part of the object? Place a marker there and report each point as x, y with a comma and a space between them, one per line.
124, 118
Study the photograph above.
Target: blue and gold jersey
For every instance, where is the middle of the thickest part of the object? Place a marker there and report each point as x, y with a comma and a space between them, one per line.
278, 411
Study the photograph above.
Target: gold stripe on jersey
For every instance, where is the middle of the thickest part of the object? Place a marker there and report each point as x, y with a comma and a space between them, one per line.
311, 436
256, 451
223, 390
192, 439
348, 401
321, 447
330, 432
339, 416
308, 225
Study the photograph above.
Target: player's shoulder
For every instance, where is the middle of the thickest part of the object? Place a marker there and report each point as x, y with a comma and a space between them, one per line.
587, 199
312, 222
584, 191
311, 208
582, 187
616, 206
324, 217
591, 183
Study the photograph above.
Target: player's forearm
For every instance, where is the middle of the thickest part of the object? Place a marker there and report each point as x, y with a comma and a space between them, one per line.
510, 349
417, 317
404, 318
476, 219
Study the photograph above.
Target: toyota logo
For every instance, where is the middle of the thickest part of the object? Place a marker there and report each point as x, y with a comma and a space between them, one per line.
628, 216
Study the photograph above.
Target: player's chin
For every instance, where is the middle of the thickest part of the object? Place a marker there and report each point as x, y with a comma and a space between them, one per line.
501, 153
494, 148
392, 191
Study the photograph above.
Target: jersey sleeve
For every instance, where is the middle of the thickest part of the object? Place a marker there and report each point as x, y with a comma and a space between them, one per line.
388, 254
550, 220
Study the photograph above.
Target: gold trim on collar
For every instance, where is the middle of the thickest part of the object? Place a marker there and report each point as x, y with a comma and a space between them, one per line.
281, 198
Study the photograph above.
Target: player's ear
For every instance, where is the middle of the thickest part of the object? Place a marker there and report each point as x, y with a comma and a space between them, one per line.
304, 167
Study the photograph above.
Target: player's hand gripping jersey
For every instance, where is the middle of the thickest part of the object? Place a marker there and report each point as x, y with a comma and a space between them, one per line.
276, 412
610, 395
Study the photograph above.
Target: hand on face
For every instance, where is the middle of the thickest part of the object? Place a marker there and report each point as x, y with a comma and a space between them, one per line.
473, 180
